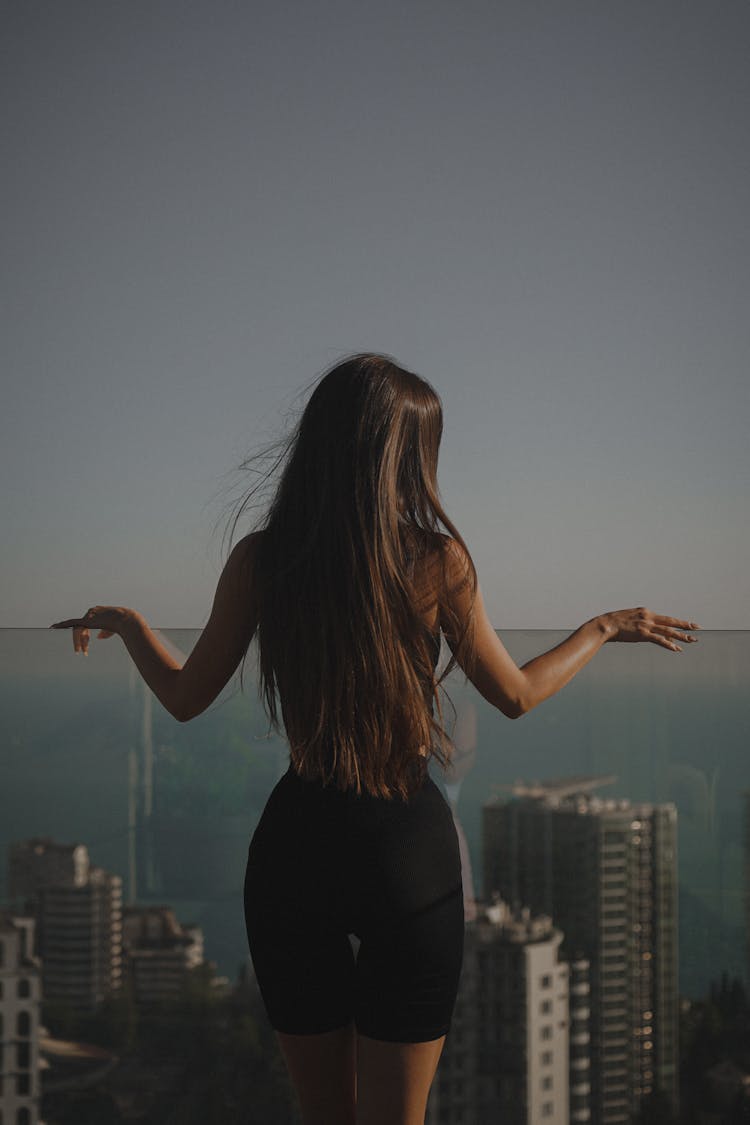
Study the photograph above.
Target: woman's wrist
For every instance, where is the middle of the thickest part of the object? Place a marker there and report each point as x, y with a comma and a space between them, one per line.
604, 624
132, 622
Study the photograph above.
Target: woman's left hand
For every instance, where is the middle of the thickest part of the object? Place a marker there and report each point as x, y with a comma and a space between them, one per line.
108, 619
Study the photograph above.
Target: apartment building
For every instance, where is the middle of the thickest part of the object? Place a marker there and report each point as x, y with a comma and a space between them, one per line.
605, 871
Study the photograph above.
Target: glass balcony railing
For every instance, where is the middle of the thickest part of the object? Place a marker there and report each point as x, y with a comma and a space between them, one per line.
89, 757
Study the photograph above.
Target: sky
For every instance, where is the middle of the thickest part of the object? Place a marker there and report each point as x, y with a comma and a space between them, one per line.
540, 207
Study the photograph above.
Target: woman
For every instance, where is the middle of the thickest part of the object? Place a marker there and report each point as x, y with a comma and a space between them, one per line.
354, 576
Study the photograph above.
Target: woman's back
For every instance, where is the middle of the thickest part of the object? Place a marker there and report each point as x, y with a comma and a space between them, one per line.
349, 572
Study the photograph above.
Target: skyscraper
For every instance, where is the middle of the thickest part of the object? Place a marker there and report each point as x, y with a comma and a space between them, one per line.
605, 872
507, 1056
78, 909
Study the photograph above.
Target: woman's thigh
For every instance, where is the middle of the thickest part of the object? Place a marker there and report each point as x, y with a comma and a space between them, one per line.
323, 1070
394, 1079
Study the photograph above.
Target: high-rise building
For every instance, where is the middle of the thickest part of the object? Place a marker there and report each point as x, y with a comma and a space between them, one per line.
507, 1056
605, 872
159, 951
78, 909
20, 1003
746, 857
41, 862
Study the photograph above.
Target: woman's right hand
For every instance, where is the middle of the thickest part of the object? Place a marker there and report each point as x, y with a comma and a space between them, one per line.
642, 625
108, 619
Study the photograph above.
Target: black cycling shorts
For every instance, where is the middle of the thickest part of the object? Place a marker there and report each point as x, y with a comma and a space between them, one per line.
324, 864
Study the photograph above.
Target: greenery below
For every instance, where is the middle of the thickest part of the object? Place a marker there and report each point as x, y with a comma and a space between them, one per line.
201, 1059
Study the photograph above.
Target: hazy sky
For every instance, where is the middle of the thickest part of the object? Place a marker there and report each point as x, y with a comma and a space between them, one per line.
541, 207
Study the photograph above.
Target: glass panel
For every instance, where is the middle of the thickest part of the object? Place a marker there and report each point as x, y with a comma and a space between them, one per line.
87, 756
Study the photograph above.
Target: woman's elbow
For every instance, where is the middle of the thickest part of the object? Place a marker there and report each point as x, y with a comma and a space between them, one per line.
513, 708
186, 712
183, 710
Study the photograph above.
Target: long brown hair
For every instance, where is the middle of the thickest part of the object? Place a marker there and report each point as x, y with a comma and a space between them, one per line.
343, 647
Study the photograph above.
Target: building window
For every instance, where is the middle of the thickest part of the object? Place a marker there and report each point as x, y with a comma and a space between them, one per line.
546, 1058
24, 987
545, 981
548, 1108
23, 1025
23, 1085
545, 1007
547, 1082
23, 1056
23, 1117
546, 1032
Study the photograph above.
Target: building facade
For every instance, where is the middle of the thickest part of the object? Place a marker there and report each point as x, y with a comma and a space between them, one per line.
159, 952
78, 909
606, 872
507, 1055
20, 1007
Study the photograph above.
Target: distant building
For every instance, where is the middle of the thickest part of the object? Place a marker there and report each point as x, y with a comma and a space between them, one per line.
605, 871
36, 864
746, 857
20, 1004
507, 1056
159, 951
78, 909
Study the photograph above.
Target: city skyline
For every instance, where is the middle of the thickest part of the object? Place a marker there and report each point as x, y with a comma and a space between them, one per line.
535, 1034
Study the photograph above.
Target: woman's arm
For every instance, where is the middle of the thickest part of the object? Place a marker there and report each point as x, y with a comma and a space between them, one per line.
514, 690
185, 691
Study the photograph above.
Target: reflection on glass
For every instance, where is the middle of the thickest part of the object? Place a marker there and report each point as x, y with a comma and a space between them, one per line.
87, 757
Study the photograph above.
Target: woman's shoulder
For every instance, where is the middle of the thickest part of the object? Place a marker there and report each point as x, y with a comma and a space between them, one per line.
446, 561
246, 548
240, 565
432, 577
